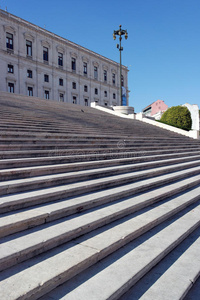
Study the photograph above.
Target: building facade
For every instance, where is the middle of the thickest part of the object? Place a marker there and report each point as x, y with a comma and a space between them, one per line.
155, 110
36, 62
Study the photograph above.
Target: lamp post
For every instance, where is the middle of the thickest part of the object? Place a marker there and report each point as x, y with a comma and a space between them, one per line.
120, 32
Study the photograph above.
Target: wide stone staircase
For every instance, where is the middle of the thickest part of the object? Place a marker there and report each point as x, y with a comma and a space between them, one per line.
94, 206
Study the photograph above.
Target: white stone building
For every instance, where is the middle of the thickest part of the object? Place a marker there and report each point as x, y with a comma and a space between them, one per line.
36, 62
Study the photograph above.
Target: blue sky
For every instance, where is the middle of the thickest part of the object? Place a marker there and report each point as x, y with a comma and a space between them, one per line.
163, 47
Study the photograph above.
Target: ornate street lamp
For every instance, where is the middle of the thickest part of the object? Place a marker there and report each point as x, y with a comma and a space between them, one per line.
120, 32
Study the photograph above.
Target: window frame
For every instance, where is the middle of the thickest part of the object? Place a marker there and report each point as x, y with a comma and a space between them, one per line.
85, 68
10, 68
61, 82
60, 59
73, 64
29, 73
46, 78
29, 48
45, 54
30, 91
96, 72
9, 41
11, 87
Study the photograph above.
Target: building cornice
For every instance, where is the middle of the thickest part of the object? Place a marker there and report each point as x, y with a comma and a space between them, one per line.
51, 35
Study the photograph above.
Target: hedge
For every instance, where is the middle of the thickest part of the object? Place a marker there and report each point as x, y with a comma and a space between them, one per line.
177, 116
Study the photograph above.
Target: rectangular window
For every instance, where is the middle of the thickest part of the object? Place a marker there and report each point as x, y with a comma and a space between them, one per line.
74, 85
29, 74
28, 48
105, 93
74, 100
96, 91
85, 68
10, 68
105, 75
85, 88
60, 59
114, 96
86, 102
113, 78
73, 64
11, 88
9, 41
46, 78
46, 94
30, 91
95, 73
45, 54
61, 81
61, 97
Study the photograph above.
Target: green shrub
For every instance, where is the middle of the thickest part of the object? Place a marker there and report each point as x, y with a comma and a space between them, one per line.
177, 116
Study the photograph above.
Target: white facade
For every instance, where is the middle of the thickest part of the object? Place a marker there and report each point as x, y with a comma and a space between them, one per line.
34, 61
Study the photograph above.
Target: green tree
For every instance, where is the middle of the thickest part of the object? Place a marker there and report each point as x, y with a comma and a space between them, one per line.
177, 116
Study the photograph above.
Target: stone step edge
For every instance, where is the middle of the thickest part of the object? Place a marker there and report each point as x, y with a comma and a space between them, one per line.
23, 200
40, 161
30, 172
75, 263
113, 175
179, 278
10, 224
87, 155
128, 269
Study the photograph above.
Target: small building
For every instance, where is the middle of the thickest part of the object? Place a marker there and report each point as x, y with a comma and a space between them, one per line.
155, 110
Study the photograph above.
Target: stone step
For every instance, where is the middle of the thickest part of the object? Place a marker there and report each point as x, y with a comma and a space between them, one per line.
103, 159
87, 152
28, 218
179, 278
178, 270
121, 270
26, 172
102, 177
45, 272
67, 147
26, 199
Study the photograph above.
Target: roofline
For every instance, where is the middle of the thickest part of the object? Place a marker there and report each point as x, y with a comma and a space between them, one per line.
36, 27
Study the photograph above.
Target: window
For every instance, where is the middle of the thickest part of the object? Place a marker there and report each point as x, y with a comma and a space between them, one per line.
74, 85
46, 94
61, 81
61, 97
45, 54
114, 96
85, 68
46, 78
105, 75
95, 73
30, 91
96, 91
113, 78
74, 100
11, 87
122, 80
86, 102
105, 93
28, 48
85, 88
60, 59
10, 68
9, 41
106, 104
73, 64
29, 74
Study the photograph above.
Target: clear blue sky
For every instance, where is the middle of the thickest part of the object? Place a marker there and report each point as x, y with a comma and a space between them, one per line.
162, 51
